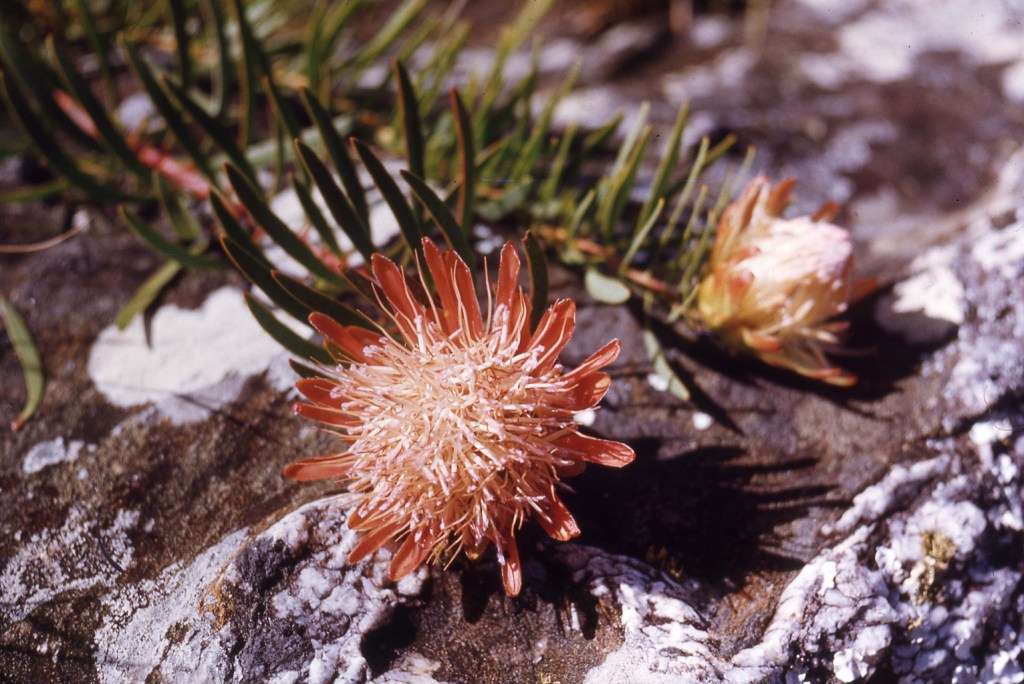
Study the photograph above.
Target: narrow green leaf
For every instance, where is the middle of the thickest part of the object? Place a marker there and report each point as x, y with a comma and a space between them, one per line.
339, 155
580, 214
337, 203
147, 293
178, 19
224, 76
304, 371
276, 228
596, 139
281, 106
161, 101
164, 246
409, 113
614, 202
108, 131
395, 26
315, 216
392, 195
28, 357
554, 180
325, 34
605, 289
184, 225
48, 147
641, 235
467, 158
443, 216
284, 336
317, 301
684, 197
213, 128
248, 75
667, 164
261, 276
234, 230
99, 47
31, 76
538, 267
531, 150
33, 193
626, 152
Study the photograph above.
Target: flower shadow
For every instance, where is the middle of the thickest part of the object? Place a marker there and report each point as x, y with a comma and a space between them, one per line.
710, 513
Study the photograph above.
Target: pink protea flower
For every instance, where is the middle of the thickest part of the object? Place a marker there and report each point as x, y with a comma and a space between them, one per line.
458, 426
774, 285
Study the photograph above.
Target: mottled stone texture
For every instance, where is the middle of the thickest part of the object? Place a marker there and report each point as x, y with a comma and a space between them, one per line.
805, 534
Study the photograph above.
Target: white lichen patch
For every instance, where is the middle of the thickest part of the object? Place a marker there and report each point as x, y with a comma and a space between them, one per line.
1001, 250
325, 592
51, 452
197, 362
192, 622
81, 554
664, 638
934, 288
411, 668
135, 639
885, 44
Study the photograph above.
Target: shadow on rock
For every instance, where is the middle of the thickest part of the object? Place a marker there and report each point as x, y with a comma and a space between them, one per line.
710, 513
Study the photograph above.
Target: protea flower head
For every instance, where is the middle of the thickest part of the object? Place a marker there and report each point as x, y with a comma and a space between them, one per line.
774, 285
459, 425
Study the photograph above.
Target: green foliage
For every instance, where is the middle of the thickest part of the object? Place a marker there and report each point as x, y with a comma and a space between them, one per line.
255, 87
28, 357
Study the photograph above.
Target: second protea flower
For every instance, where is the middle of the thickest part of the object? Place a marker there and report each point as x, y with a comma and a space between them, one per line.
459, 424
774, 285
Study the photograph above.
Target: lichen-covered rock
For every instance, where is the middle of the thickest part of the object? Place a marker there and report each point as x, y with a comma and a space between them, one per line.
772, 530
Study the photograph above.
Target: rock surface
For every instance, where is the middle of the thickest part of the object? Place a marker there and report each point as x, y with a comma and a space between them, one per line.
773, 530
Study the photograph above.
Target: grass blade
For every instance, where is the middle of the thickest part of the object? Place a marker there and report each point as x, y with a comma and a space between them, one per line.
162, 103
247, 77
178, 19
28, 357
538, 267
30, 76
392, 195
409, 112
315, 216
621, 183
317, 301
164, 246
284, 336
108, 131
443, 216
99, 47
339, 155
395, 26
467, 158
47, 146
667, 164
341, 209
224, 76
213, 128
641, 235
234, 230
147, 293
184, 225
261, 276
276, 228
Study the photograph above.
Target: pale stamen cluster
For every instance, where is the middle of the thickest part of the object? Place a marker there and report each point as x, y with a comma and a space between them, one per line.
459, 428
